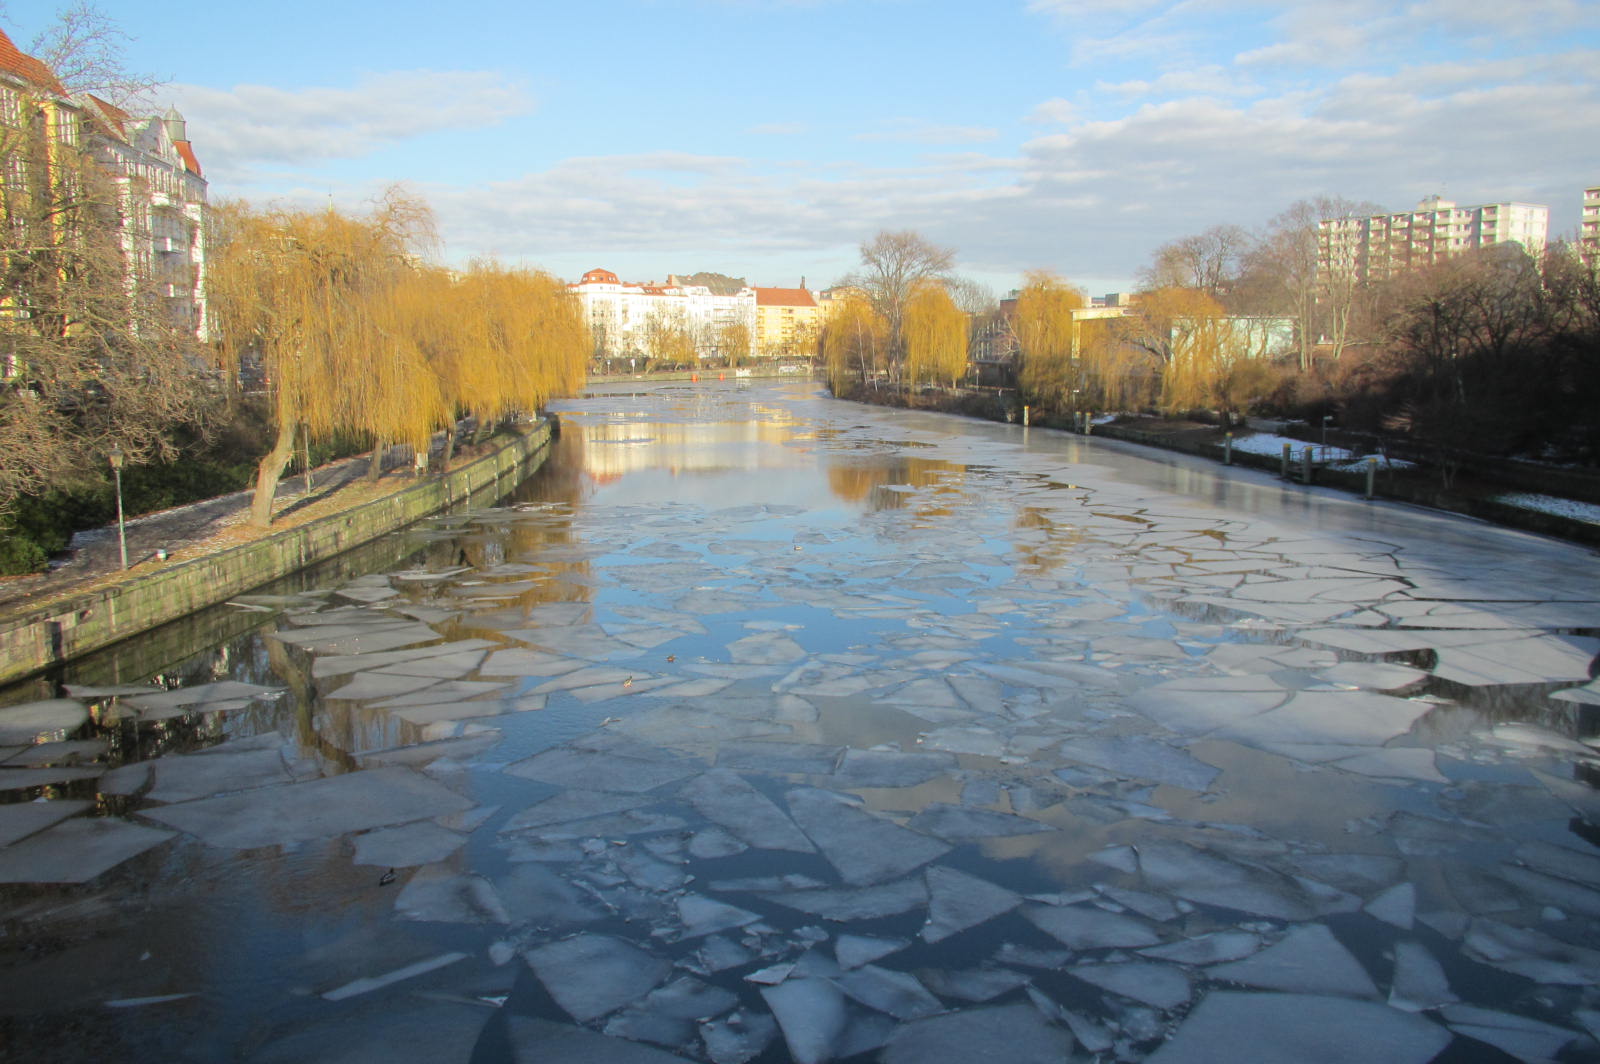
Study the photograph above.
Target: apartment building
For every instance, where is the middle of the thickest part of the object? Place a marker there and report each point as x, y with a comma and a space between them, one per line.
787, 322
161, 197
138, 175
620, 315
1589, 226
1380, 246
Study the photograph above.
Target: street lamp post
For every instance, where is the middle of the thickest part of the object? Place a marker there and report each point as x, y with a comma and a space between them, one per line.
1325, 419
116, 470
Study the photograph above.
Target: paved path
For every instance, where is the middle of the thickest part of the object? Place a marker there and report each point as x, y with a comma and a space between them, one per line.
95, 553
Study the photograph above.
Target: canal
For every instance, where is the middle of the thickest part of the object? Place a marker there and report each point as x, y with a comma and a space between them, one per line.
758, 726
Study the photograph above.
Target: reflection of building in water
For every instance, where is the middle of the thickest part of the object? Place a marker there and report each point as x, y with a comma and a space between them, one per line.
614, 448
897, 483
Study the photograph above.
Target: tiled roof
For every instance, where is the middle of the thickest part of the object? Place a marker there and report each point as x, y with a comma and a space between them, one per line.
114, 118
784, 297
26, 67
190, 163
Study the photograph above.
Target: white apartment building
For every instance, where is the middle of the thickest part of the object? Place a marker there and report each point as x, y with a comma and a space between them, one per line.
162, 205
619, 313
1378, 247
1589, 226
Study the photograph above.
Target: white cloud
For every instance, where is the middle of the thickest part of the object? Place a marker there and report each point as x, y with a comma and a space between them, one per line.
921, 131
1202, 80
1055, 111
1089, 198
265, 125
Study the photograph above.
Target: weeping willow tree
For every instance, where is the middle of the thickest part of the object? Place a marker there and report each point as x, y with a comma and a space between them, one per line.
1046, 333
1113, 374
935, 335
315, 296
356, 335
854, 340
514, 339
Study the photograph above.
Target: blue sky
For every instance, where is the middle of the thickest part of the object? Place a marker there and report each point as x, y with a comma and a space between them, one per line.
768, 138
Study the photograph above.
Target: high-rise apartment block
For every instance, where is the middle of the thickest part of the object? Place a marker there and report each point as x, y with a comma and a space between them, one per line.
1380, 246
1589, 227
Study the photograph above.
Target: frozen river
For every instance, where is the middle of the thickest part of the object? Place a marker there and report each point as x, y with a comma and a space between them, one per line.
763, 727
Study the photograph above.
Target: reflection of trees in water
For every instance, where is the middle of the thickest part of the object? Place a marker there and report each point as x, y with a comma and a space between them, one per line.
939, 484
1043, 541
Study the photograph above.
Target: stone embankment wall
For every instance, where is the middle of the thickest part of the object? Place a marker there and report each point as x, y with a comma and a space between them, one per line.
36, 639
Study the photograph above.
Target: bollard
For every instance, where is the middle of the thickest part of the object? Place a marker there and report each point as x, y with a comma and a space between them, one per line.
1305, 465
1227, 449
1088, 425
1372, 473
1288, 450
1025, 417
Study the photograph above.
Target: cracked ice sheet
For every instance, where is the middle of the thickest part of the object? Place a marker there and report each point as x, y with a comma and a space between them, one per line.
765, 648
1142, 758
76, 850
724, 798
570, 767
958, 901
1293, 1029
590, 975
1200, 706
407, 846
1309, 960
329, 665
1200, 876
1308, 718
179, 778
1543, 659
1014, 1033
357, 638
303, 811
865, 848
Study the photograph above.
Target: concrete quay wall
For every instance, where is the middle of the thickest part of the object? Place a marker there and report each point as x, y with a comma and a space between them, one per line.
36, 639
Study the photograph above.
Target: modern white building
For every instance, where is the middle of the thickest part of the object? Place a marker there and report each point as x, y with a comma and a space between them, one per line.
620, 315
1380, 246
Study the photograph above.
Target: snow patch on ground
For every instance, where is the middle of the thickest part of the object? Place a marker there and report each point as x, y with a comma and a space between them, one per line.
1526, 500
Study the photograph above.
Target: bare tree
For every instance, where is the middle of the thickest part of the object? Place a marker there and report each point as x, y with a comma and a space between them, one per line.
84, 47
1210, 261
1285, 272
893, 263
88, 361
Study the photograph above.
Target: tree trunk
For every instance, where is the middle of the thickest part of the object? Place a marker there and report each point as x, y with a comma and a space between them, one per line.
267, 474
375, 464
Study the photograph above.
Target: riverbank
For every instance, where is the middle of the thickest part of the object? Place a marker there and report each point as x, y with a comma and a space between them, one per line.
193, 557
1477, 492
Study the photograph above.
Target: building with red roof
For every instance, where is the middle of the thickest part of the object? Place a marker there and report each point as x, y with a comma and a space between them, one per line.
787, 322
635, 319
161, 211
